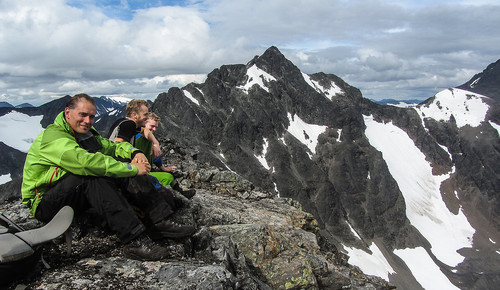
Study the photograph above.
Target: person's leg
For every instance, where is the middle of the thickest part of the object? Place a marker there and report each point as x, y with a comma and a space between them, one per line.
141, 193
99, 193
157, 205
164, 178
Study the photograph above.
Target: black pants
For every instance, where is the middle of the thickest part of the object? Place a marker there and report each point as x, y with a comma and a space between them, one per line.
107, 196
154, 205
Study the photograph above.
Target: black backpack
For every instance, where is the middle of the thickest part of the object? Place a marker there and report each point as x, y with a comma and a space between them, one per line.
21, 250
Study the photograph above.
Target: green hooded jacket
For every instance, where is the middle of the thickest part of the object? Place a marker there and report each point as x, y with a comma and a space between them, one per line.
56, 152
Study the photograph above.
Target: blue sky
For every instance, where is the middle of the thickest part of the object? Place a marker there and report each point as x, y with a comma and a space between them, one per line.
124, 10
138, 49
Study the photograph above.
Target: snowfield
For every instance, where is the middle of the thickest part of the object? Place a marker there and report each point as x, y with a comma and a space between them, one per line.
467, 108
445, 231
27, 127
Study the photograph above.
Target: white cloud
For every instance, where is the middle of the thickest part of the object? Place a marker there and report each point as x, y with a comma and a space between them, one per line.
387, 49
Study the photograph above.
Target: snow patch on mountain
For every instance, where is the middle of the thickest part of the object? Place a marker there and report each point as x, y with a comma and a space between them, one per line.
256, 76
496, 127
466, 107
201, 92
114, 112
262, 157
120, 99
5, 178
403, 105
329, 92
18, 130
423, 268
304, 132
425, 208
190, 97
371, 264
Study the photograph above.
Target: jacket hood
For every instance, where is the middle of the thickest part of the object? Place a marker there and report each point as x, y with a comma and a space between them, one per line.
60, 121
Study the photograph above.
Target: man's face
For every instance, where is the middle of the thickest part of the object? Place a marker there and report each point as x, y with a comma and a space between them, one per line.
152, 125
81, 117
141, 116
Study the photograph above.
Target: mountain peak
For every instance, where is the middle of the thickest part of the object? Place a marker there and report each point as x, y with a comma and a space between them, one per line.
275, 63
5, 105
485, 82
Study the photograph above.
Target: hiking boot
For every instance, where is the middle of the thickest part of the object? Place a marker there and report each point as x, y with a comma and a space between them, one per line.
189, 193
144, 249
176, 173
171, 229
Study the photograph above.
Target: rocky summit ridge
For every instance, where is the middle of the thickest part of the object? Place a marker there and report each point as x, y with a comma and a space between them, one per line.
247, 238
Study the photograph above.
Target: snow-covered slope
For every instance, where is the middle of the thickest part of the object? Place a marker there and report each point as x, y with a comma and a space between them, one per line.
466, 108
19, 130
445, 231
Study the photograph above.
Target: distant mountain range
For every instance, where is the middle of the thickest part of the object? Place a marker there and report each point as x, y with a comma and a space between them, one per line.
410, 193
7, 105
398, 103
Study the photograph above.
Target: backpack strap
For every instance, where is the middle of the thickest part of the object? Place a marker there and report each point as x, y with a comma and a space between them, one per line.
56, 227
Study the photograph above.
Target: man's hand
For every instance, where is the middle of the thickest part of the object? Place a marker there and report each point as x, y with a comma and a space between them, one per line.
142, 168
141, 162
140, 158
156, 150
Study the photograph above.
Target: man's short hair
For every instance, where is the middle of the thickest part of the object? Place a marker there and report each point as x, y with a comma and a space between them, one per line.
134, 106
154, 117
77, 98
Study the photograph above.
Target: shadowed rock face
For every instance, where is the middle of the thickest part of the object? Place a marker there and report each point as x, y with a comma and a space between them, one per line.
247, 239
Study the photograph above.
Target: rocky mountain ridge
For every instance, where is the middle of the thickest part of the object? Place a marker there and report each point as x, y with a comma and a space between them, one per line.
304, 137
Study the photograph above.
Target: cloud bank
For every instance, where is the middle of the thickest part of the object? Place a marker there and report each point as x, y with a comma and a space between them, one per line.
138, 49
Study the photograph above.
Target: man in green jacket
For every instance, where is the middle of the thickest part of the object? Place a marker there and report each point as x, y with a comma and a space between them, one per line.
69, 163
